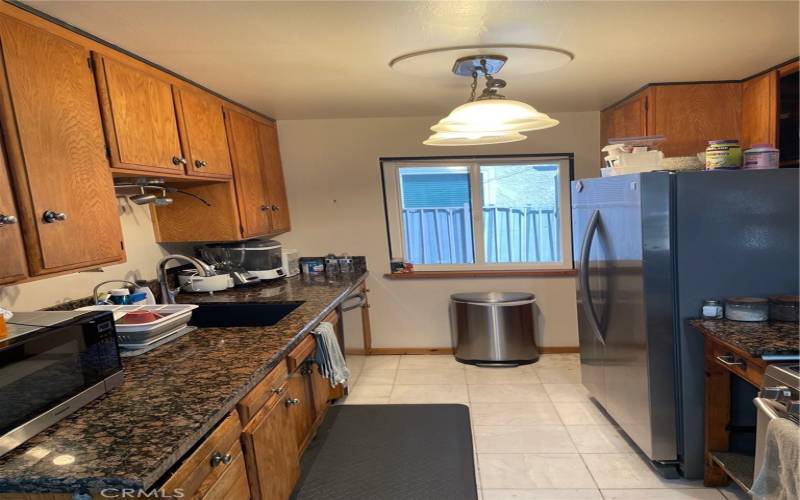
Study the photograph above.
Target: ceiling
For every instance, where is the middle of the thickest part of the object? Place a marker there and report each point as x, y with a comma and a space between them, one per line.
296, 60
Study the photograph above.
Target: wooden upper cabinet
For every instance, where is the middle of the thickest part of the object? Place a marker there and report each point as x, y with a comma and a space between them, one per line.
760, 110
140, 120
251, 190
273, 177
627, 119
12, 265
690, 115
202, 126
54, 139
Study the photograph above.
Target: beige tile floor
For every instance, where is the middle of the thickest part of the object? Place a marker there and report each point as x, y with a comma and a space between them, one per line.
536, 433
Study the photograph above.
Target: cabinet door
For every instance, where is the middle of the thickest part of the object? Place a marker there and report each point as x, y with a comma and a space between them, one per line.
140, 119
628, 119
271, 452
12, 265
203, 133
760, 110
321, 388
55, 142
251, 192
273, 173
690, 115
302, 411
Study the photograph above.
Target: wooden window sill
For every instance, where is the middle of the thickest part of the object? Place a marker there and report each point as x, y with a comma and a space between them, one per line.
486, 273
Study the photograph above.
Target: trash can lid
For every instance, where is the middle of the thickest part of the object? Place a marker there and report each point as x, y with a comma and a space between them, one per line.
492, 297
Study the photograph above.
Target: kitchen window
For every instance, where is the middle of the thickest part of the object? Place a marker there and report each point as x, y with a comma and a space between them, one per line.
479, 213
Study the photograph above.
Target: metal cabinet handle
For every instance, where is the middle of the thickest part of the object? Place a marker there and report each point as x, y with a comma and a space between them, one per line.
278, 390
177, 160
276, 208
730, 360
7, 220
291, 402
263, 208
218, 458
199, 163
49, 216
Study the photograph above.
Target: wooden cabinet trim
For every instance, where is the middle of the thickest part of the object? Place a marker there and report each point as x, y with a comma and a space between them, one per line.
197, 466
94, 43
263, 392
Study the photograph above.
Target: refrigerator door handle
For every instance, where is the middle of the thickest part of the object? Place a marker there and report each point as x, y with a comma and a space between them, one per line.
586, 249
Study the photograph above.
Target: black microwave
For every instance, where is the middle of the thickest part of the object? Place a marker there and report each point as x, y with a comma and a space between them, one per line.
51, 364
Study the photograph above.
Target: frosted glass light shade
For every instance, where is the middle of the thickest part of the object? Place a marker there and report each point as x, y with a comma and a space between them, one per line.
494, 115
472, 138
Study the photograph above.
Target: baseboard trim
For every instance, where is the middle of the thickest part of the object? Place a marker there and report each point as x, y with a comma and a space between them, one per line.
567, 349
378, 351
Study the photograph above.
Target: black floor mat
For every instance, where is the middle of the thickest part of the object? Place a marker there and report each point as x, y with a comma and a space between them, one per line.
390, 452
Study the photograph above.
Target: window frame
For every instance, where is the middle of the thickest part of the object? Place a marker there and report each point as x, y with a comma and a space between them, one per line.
390, 178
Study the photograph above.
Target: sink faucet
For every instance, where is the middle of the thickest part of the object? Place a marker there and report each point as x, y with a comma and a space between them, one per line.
168, 294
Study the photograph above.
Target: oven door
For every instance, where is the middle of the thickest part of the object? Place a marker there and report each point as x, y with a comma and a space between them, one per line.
767, 411
47, 375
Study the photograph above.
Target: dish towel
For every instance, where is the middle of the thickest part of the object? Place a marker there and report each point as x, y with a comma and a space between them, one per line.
779, 478
329, 356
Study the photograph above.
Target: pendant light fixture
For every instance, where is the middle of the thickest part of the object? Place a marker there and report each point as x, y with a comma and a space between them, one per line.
489, 118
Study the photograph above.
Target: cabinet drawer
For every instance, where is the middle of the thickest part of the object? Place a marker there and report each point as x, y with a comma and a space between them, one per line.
271, 386
743, 366
200, 465
299, 354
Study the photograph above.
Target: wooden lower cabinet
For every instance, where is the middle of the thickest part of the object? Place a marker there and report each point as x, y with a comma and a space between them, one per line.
270, 450
214, 470
301, 398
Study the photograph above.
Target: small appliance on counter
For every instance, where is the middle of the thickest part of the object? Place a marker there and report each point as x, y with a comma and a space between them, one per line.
290, 262
228, 258
65, 358
262, 258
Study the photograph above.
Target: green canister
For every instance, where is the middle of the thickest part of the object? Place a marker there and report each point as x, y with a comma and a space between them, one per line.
724, 154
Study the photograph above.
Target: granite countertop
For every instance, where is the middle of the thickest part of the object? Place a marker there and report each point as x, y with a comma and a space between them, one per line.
170, 397
757, 339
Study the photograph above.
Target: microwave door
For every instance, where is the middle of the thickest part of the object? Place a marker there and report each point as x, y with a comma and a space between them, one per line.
43, 371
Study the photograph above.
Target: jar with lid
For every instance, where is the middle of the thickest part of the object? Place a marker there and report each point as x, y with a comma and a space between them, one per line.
723, 154
712, 309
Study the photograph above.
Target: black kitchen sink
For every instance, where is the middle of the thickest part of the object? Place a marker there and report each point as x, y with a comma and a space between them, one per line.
222, 314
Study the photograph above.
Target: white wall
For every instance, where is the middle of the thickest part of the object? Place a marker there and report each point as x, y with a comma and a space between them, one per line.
333, 179
142, 251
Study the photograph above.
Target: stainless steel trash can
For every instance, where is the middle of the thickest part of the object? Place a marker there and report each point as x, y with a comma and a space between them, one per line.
494, 328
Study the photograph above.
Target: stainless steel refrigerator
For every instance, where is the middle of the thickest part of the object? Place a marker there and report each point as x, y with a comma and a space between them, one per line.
649, 248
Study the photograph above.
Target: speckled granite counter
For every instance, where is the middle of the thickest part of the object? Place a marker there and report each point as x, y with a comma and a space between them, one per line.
757, 339
170, 398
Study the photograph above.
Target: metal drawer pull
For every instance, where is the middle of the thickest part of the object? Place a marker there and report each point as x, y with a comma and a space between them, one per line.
218, 458
199, 163
7, 220
177, 160
50, 216
278, 390
291, 402
730, 360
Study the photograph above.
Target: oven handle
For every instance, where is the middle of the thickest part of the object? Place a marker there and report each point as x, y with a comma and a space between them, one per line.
766, 406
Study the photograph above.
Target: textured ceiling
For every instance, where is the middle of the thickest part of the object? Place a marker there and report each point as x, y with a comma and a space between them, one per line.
295, 60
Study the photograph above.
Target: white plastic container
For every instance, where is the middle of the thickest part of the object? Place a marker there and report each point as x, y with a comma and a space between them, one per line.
761, 156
